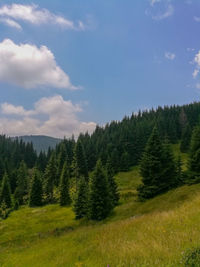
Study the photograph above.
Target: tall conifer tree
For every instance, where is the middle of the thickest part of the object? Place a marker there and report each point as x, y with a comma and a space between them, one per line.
99, 197
35, 196
81, 200
5, 195
64, 198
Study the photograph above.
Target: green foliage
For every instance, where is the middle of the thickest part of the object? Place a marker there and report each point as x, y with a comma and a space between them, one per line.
192, 257
194, 161
64, 197
125, 162
81, 200
112, 186
79, 161
35, 195
185, 139
5, 195
99, 196
157, 167
22, 182
50, 176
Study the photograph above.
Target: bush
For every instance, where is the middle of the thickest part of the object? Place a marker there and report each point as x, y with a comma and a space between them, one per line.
192, 258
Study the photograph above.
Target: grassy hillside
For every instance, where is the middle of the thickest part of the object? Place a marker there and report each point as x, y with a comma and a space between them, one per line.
153, 233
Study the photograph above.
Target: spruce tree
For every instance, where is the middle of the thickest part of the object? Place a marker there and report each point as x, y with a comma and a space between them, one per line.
157, 167
22, 182
194, 160
81, 200
99, 198
169, 176
64, 198
79, 161
49, 179
5, 195
125, 162
35, 196
185, 139
112, 185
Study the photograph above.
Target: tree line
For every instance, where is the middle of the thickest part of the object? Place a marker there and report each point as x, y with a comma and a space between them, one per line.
81, 172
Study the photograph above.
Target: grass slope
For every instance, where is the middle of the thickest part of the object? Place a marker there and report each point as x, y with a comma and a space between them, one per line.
152, 233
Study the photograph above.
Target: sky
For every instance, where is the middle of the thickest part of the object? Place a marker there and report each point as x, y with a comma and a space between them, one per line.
66, 66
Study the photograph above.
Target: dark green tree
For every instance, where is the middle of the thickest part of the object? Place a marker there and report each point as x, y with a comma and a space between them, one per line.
185, 139
64, 198
99, 197
50, 175
22, 183
35, 196
194, 159
112, 185
125, 162
81, 200
5, 195
79, 162
157, 167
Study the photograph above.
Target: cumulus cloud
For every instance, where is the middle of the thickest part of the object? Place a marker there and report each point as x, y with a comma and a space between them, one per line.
197, 62
34, 15
170, 56
52, 116
30, 66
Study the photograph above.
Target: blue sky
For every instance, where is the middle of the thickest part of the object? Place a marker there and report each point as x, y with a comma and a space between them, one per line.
66, 66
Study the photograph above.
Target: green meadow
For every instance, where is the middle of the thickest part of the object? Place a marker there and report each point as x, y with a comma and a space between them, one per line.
156, 232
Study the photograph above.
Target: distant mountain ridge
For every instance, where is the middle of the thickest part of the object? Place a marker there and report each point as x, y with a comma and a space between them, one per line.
40, 142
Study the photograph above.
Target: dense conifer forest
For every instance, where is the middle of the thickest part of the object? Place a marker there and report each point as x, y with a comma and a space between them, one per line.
81, 172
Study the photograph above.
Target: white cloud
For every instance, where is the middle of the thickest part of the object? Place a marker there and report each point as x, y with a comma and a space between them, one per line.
195, 73
34, 15
197, 62
153, 2
29, 66
11, 23
167, 13
198, 85
52, 116
170, 56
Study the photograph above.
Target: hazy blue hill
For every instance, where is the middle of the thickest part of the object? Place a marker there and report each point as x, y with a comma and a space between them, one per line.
40, 142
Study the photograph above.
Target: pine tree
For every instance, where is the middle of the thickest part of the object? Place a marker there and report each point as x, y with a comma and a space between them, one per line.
99, 199
185, 139
64, 198
49, 179
35, 196
112, 185
81, 200
22, 182
5, 195
79, 162
125, 162
157, 167
179, 172
194, 160
169, 176
62, 159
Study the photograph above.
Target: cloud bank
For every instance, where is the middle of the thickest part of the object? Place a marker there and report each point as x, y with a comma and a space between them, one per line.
30, 66
34, 15
52, 116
